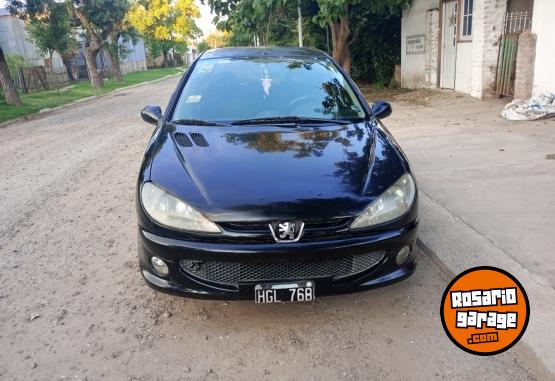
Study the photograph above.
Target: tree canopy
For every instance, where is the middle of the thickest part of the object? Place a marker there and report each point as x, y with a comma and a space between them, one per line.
340, 25
166, 25
52, 31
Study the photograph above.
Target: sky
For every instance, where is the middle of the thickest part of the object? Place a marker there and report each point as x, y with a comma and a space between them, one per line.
204, 22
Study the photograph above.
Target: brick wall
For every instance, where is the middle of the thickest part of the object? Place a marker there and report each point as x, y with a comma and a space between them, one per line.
525, 60
488, 24
432, 42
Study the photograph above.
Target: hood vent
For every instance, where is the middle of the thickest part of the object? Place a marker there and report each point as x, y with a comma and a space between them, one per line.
199, 139
182, 139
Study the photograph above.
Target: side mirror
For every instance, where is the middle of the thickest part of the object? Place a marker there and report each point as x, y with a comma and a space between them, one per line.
381, 109
151, 114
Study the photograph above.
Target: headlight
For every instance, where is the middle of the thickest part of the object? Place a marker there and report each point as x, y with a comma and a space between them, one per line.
172, 212
391, 204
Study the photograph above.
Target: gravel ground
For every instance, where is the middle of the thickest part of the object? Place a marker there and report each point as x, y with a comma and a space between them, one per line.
73, 304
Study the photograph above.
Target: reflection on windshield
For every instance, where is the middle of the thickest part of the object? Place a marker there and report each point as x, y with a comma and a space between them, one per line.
236, 89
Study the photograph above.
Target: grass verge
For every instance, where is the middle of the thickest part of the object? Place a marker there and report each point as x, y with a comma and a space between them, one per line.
34, 102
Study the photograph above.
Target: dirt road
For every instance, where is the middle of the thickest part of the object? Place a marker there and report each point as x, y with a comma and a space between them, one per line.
73, 304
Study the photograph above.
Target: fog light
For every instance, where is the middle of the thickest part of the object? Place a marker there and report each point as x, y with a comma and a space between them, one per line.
402, 255
159, 266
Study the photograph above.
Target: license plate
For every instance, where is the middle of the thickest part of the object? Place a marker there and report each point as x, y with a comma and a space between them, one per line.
284, 292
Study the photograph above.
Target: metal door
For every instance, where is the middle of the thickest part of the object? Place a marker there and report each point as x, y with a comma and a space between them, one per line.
514, 24
449, 44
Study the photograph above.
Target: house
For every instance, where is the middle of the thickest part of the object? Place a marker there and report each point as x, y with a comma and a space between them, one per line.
479, 47
134, 60
14, 40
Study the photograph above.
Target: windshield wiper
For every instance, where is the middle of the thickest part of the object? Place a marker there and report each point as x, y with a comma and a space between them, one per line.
195, 122
290, 120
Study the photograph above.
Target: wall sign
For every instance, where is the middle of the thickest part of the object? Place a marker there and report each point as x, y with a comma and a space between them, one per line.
416, 44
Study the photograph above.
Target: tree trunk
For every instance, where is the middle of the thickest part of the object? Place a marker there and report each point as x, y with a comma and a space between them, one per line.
165, 62
91, 51
340, 34
6, 82
114, 58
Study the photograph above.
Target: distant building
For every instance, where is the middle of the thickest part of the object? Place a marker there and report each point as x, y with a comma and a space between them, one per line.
135, 60
14, 39
482, 48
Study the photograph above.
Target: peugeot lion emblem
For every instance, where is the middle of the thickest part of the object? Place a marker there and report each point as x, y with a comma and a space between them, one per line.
287, 231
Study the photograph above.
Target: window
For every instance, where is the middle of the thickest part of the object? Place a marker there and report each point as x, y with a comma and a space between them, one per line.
466, 30
228, 89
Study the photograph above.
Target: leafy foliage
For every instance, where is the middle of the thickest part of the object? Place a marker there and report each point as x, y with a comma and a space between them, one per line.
51, 31
202, 47
239, 36
14, 62
376, 47
165, 25
371, 28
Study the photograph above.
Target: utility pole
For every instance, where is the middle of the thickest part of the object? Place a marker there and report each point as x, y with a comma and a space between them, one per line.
300, 24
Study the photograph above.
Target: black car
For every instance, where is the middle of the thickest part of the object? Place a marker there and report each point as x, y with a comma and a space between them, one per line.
270, 178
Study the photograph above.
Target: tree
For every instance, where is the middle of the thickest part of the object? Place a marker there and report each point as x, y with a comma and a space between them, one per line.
166, 25
202, 47
51, 32
216, 39
117, 51
338, 15
239, 36
256, 16
101, 19
11, 96
98, 18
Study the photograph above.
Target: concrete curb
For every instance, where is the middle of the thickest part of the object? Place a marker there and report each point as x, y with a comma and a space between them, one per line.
47, 111
455, 246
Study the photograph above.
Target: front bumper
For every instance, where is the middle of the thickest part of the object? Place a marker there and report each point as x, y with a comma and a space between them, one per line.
181, 282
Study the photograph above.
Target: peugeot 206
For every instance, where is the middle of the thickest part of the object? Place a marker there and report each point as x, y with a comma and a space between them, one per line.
269, 177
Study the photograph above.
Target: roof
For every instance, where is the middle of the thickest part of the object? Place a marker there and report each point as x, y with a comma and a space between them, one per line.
244, 52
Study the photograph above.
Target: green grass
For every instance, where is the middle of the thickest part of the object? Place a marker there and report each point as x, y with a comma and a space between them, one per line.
32, 103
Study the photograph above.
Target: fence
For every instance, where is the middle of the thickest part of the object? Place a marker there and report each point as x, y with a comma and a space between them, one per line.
513, 25
37, 78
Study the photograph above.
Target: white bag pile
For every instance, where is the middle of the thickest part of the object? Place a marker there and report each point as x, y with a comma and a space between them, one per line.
539, 107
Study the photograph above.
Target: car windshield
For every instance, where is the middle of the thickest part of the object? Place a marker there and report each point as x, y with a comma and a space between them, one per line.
268, 87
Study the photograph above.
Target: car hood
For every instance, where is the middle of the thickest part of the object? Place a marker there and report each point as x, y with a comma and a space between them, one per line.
273, 172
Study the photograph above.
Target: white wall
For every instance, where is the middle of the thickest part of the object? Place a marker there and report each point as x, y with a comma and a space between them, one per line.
544, 27
15, 40
487, 28
413, 66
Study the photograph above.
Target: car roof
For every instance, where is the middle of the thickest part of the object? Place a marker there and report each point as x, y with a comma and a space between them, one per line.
249, 52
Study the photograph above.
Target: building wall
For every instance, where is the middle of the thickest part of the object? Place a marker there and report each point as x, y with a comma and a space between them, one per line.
487, 28
431, 56
544, 27
15, 40
525, 60
136, 59
415, 45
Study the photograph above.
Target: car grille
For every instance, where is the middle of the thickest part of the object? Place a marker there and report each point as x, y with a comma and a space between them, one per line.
233, 273
314, 230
